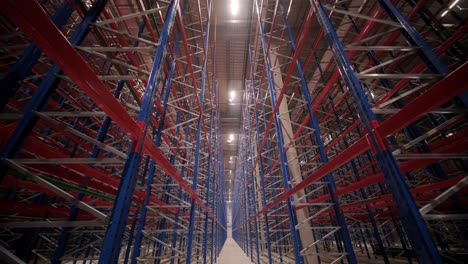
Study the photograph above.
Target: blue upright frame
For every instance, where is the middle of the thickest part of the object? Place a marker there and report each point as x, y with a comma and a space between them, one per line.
414, 225
114, 235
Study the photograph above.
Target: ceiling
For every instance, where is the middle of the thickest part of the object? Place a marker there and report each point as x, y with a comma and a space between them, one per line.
231, 44
233, 33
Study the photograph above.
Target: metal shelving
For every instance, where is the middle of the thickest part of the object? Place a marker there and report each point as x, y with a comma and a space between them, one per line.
352, 144
355, 128
112, 153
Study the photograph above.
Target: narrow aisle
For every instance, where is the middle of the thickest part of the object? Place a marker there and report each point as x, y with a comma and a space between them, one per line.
232, 254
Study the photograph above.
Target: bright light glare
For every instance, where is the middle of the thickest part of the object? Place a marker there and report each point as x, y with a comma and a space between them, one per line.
453, 4
232, 94
231, 137
234, 7
444, 13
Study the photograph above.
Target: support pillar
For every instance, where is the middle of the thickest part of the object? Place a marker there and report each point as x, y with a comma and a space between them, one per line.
258, 190
305, 232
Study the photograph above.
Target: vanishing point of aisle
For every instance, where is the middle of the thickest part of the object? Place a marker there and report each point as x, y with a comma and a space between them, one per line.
232, 254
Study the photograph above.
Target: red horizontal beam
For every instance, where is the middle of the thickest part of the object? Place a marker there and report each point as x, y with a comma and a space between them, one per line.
39, 210
347, 155
455, 144
91, 177
441, 92
30, 18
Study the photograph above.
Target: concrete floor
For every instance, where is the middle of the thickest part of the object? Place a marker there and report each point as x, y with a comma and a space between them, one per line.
232, 254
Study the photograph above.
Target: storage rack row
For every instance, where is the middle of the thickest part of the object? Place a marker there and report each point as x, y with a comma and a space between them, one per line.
354, 134
111, 145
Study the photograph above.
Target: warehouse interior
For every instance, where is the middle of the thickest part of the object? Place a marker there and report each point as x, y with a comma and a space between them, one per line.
233, 131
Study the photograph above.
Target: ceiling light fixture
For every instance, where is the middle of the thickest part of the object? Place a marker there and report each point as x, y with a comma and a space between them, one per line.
453, 4
88, 4
232, 94
234, 7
